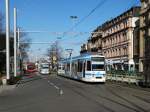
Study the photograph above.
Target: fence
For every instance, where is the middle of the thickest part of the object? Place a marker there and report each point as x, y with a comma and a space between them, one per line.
125, 76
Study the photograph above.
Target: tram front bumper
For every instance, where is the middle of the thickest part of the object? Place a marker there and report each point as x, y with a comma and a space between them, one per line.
94, 79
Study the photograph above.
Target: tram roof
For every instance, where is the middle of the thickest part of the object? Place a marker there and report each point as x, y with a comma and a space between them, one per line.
83, 56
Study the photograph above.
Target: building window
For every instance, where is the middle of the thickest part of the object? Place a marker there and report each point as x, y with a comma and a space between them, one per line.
125, 36
149, 32
120, 52
118, 38
126, 51
104, 53
111, 30
113, 53
111, 41
116, 27
149, 16
116, 52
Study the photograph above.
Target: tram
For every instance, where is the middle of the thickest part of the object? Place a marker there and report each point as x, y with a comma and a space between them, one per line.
88, 68
30, 68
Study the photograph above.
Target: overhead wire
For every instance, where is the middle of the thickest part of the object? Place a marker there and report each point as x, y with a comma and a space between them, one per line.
88, 15
133, 3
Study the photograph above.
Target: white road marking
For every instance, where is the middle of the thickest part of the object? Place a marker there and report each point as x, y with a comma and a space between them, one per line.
60, 90
55, 86
51, 83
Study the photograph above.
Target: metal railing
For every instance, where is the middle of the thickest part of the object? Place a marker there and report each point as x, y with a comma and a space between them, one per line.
125, 76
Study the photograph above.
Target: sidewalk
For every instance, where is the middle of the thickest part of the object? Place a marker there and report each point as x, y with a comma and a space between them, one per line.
6, 88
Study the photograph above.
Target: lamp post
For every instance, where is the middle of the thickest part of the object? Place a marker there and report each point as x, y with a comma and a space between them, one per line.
73, 18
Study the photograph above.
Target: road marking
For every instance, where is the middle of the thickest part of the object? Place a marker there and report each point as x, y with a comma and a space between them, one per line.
61, 92
51, 83
55, 86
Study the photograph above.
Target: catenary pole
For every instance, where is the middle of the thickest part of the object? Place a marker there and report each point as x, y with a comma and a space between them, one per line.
15, 44
7, 40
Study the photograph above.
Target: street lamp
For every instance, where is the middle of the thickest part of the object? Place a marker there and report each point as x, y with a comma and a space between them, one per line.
73, 18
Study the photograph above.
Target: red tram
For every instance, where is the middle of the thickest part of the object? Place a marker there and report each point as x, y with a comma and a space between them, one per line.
30, 68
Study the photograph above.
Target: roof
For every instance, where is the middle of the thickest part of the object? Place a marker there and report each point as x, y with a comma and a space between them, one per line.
83, 56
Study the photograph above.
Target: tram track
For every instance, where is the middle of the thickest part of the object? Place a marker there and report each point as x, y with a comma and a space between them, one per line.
128, 101
133, 107
118, 103
80, 89
77, 90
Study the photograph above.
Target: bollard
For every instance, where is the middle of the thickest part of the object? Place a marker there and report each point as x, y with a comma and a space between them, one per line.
4, 81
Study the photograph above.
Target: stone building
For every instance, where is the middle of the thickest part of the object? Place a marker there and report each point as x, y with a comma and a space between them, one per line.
84, 49
117, 40
144, 62
94, 43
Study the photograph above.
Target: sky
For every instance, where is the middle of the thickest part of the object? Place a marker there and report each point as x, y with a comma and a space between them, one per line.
53, 16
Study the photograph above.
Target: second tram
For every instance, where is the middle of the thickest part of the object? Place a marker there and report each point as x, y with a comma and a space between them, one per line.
88, 68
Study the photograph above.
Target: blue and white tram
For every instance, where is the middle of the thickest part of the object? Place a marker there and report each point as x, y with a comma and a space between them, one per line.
88, 68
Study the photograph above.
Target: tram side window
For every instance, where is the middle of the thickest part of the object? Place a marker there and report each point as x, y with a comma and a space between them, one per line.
79, 66
68, 66
88, 65
65, 66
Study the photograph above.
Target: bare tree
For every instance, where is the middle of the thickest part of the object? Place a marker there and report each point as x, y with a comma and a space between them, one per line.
24, 45
55, 54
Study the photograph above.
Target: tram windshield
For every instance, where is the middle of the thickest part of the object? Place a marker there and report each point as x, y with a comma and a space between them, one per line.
97, 67
44, 66
98, 59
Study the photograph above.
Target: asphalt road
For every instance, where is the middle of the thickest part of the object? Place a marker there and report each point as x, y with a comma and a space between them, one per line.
57, 94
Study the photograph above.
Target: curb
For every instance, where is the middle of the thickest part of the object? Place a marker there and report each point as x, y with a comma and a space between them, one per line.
130, 85
6, 88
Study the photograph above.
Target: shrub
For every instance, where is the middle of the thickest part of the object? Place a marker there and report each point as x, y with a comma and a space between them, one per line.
14, 80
